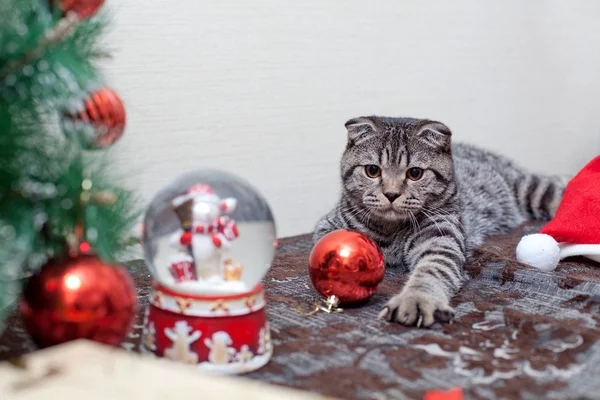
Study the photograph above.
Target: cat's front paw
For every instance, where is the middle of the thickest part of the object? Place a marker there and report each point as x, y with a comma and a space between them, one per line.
412, 307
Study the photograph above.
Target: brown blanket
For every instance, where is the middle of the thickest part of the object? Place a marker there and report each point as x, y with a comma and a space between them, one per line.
518, 332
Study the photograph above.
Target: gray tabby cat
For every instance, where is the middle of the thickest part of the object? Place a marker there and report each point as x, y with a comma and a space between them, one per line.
428, 204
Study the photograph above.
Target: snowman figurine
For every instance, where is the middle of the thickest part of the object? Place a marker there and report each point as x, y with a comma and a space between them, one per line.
206, 231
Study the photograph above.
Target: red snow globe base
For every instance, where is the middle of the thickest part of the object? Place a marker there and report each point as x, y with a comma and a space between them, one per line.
223, 334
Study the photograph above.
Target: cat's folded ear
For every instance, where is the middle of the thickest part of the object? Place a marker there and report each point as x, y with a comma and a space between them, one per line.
435, 134
360, 129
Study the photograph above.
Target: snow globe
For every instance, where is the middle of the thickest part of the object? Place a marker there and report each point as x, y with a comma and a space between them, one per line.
209, 238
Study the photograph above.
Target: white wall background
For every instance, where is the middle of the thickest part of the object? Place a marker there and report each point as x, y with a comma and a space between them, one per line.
262, 88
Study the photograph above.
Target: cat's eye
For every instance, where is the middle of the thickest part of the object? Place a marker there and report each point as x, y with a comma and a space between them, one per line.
414, 173
372, 171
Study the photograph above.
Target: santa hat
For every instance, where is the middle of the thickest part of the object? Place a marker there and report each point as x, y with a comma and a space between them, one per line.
575, 229
204, 192
200, 190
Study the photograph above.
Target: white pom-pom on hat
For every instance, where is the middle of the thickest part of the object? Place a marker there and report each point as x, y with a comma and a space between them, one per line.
542, 251
539, 250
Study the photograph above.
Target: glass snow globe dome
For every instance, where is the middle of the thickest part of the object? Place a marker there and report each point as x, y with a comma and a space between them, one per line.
209, 233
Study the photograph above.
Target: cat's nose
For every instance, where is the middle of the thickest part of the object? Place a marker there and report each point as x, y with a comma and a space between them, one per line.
391, 196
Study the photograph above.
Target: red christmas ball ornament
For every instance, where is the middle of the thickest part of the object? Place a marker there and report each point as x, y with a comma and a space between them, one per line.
82, 298
106, 112
82, 8
346, 264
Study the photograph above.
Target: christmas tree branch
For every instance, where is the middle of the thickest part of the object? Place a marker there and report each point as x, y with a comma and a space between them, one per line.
46, 71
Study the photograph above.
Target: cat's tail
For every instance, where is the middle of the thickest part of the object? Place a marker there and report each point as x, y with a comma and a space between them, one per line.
538, 196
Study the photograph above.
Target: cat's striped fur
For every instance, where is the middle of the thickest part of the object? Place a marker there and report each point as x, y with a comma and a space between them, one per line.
430, 229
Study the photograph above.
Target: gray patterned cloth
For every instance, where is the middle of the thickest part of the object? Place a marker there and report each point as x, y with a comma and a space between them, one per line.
518, 333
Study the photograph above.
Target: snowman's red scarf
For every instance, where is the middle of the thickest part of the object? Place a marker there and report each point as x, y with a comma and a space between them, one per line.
222, 227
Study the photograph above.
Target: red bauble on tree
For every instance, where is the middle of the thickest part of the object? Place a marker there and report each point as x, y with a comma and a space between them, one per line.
105, 111
82, 8
346, 264
80, 298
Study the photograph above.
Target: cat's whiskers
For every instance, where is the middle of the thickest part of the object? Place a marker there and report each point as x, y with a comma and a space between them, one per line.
432, 219
359, 212
417, 227
447, 216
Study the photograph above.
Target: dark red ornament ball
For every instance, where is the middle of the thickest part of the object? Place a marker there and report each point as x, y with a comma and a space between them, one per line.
83, 8
347, 264
103, 109
80, 298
